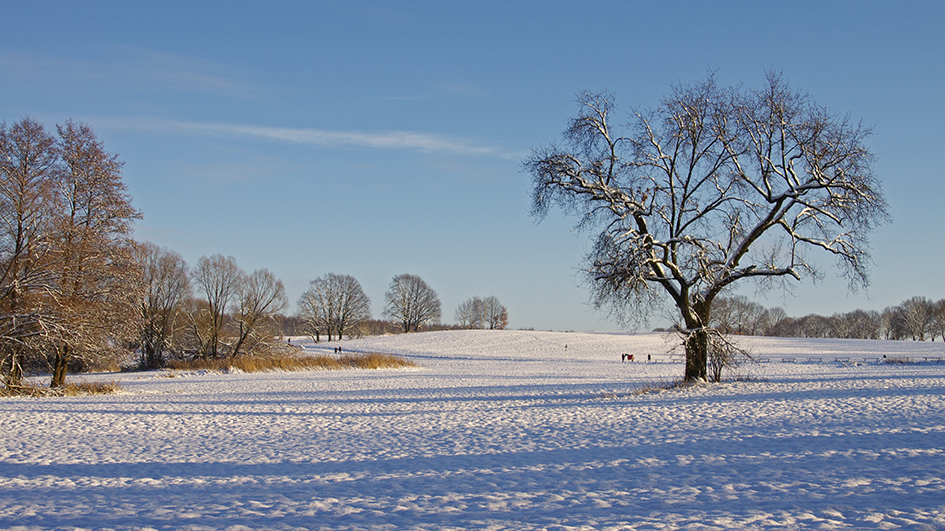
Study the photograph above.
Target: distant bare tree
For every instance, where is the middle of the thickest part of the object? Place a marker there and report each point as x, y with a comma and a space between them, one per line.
334, 303
479, 312
738, 315
918, 315
261, 297
315, 309
715, 186
777, 318
938, 320
892, 323
864, 324
470, 313
219, 280
496, 316
411, 302
166, 286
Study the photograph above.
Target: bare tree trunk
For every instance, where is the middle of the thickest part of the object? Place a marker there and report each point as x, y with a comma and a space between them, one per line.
155, 357
13, 373
60, 367
697, 340
697, 355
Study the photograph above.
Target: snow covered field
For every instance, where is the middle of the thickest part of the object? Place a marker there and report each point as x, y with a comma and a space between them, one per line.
498, 430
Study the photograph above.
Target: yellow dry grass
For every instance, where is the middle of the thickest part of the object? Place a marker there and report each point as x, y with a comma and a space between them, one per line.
288, 362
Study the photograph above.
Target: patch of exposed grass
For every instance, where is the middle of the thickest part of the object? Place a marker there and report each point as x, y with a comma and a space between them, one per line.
91, 388
290, 362
649, 387
656, 387
70, 389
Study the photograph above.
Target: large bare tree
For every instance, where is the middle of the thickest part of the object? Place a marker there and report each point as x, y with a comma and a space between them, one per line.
67, 280
334, 303
714, 186
411, 302
96, 275
28, 163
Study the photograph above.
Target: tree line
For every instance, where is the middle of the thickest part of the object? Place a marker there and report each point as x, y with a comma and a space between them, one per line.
213, 310
918, 318
77, 291
336, 305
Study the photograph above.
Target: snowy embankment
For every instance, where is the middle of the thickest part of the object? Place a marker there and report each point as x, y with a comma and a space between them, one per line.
498, 430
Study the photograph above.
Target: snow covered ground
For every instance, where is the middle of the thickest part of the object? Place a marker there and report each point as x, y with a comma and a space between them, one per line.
498, 430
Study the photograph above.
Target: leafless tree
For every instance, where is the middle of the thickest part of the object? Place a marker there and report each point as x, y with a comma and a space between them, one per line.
715, 186
892, 324
68, 279
218, 279
316, 308
261, 297
496, 315
470, 313
777, 317
479, 312
334, 304
723, 316
96, 275
863, 324
28, 162
938, 320
411, 302
166, 286
918, 317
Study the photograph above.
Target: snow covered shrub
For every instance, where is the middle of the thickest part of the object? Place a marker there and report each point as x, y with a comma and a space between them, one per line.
899, 361
91, 388
656, 387
70, 389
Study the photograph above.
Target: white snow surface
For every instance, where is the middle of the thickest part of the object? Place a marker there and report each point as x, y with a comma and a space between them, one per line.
497, 430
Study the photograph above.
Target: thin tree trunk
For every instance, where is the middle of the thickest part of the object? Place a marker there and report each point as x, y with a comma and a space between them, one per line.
13, 376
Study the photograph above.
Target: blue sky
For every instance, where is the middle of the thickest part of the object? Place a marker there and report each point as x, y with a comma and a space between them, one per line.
380, 138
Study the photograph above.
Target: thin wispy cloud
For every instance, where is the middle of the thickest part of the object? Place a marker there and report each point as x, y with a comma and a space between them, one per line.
403, 140
123, 69
180, 72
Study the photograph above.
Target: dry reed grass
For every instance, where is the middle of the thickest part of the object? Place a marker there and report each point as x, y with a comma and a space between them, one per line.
289, 362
